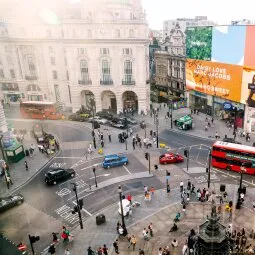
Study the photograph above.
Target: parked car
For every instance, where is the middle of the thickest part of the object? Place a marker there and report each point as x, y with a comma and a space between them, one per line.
131, 121
147, 142
10, 201
59, 174
98, 120
169, 158
38, 132
114, 160
79, 117
105, 115
118, 124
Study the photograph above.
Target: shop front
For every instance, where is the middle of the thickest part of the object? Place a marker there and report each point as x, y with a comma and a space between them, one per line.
11, 92
249, 123
199, 101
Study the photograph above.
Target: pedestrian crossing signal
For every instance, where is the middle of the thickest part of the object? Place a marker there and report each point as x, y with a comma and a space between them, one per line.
147, 155
186, 153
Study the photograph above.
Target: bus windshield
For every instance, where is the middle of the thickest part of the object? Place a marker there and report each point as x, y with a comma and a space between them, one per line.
231, 157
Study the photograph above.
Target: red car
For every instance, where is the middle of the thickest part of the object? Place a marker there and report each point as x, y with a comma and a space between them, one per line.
170, 158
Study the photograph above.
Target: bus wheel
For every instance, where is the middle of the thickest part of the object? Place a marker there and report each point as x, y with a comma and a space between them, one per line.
228, 168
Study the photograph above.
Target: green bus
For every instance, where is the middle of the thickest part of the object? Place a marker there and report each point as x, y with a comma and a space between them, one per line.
184, 123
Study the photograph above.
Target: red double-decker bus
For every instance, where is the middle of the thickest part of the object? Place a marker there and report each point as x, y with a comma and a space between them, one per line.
39, 110
232, 156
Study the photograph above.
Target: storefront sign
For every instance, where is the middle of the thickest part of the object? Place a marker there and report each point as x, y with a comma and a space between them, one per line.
216, 79
227, 106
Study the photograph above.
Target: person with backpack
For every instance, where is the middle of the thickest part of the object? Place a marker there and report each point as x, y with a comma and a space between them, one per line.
65, 234
52, 249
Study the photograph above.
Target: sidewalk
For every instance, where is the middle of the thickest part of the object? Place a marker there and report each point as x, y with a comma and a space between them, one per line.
198, 125
161, 211
18, 172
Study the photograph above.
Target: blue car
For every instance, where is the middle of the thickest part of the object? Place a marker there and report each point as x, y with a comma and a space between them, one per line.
114, 160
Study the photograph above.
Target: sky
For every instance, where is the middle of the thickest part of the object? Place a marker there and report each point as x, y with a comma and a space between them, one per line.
219, 11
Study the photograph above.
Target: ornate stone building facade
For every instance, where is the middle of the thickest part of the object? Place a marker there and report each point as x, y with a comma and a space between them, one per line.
74, 53
170, 64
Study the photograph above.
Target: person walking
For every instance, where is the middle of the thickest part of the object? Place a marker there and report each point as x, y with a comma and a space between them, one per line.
133, 144
90, 251
102, 143
145, 234
26, 165
131, 131
110, 138
189, 185
105, 250
150, 229
9, 181
133, 242
116, 246
181, 186
54, 237
67, 252
52, 249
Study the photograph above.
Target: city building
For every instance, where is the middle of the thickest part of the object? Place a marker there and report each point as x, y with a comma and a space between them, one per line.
170, 66
168, 25
73, 55
220, 72
242, 22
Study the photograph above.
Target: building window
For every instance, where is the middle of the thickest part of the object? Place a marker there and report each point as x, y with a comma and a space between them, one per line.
65, 61
53, 61
9, 60
131, 33
12, 73
118, 33
2, 73
89, 33
45, 97
57, 93
84, 70
31, 66
51, 50
67, 75
106, 71
104, 51
127, 51
48, 33
54, 74
1, 61
128, 71
81, 51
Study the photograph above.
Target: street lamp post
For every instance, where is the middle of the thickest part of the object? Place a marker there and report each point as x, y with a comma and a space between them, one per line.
94, 171
78, 204
144, 126
157, 122
235, 126
171, 113
121, 208
126, 143
242, 170
209, 168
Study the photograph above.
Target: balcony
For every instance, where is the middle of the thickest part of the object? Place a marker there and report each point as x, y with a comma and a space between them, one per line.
85, 82
30, 78
128, 82
106, 82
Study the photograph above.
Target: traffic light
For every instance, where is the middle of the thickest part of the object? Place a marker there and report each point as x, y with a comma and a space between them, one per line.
80, 203
34, 239
146, 155
186, 153
75, 210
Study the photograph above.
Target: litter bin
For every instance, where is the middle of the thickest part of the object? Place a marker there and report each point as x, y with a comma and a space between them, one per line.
100, 219
222, 188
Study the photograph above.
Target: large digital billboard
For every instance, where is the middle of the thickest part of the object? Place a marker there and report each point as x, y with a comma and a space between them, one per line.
213, 78
248, 87
228, 44
249, 55
199, 43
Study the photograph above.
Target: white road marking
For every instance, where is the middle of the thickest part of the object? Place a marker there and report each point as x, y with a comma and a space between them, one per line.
90, 166
102, 175
63, 192
127, 170
84, 210
69, 157
57, 165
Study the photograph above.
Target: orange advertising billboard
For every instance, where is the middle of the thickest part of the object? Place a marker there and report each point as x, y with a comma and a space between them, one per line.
213, 78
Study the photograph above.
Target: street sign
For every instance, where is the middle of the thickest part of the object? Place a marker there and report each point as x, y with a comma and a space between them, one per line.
227, 106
